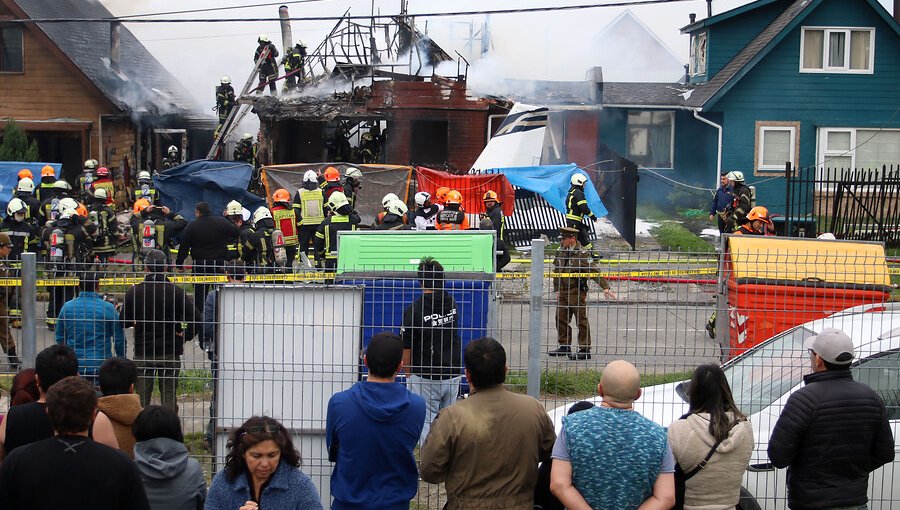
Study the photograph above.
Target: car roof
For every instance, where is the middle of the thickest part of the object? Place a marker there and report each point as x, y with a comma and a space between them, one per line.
873, 328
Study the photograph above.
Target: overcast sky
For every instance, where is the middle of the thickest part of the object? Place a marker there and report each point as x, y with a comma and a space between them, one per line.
548, 45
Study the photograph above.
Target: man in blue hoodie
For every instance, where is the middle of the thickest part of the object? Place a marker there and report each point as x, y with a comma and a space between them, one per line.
371, 431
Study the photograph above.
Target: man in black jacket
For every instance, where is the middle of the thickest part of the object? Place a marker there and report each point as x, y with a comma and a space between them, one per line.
206, 239
432, 349
832, 432
164, 318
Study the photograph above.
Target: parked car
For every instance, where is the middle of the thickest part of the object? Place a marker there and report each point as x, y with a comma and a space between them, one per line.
763, 378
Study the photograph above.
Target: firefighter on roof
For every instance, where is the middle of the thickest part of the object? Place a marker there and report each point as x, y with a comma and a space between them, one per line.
268, 70
294, 60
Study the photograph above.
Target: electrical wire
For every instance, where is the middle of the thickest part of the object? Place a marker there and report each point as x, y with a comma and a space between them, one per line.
524, 10
211, 9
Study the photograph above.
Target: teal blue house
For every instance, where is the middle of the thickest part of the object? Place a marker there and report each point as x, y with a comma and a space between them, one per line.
815, 83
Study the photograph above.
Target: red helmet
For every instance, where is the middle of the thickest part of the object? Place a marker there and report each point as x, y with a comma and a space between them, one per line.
103, 172
332, 174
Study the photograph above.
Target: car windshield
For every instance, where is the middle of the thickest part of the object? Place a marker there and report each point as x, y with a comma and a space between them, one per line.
763, 375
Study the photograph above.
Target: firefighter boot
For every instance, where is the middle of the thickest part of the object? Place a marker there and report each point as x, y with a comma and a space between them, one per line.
14, 361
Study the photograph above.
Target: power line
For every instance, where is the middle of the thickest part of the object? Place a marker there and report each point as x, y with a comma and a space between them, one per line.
131, 19
211, 9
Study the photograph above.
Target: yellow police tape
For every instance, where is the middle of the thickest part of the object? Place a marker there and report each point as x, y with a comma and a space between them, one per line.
632, 261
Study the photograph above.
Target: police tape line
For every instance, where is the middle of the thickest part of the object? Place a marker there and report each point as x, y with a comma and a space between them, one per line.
632, 261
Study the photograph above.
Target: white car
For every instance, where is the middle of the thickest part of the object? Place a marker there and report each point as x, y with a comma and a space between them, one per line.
763, 378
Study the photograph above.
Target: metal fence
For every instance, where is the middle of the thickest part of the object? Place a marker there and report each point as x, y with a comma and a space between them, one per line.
285, 341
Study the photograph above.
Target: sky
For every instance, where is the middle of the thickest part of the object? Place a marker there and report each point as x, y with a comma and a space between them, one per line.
547, 45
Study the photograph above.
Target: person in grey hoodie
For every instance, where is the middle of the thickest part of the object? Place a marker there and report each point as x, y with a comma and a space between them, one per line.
172, 479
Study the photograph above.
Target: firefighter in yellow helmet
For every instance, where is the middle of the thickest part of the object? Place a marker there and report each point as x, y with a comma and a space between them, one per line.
453, 216
494, 212
325, 242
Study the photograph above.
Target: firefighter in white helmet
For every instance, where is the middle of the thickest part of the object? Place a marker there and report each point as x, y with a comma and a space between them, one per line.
343, 219
426, 212
309, 203
268, 67
172, 158
145, 188
225, 100
245, 150
578, 210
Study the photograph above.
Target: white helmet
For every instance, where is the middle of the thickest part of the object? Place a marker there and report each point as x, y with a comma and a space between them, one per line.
247, 136
26, 185
67, 205
234, 208
100, 193
579, 179
736, 176
263, 38
225, 79
15, 205
386, 201
144, 175
422, 197
353, 172
261, 213
310, 176
172, 149
90, 164
337, 200
397, 207
62, 184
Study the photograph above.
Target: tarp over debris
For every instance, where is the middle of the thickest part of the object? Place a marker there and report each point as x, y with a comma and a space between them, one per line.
213, 182
9, 177
471, 186
378, 180
552, 182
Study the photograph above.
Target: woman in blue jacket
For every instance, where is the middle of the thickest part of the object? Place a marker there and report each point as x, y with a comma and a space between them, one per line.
262, 471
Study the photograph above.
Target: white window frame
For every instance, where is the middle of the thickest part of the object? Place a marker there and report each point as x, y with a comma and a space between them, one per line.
845, 69
628, 126
823, 154
762, 144
694, 68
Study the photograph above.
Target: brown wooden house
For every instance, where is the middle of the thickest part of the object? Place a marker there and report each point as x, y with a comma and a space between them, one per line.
92, 90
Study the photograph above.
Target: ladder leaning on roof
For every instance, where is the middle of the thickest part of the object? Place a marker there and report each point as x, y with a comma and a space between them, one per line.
237, 114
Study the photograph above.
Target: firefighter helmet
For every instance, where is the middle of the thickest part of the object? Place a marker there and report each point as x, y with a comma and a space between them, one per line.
353, 172
81, 210
454, 197
172, 149
263, 38
103, 172
25, 173
62, 184
144, 175
262, 213
101, 194
578, 179
490, 195
281, 195
225, 79
26, 185
247, 136
310, 176
48, 171
337, 200
397, 207
441, 194
736, 176
332, 174
759, 213
141, 204
90, 164
16, 205
422, 197
67, 204
390, 197
234, 208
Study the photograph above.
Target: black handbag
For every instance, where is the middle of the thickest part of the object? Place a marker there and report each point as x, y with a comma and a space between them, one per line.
681, 477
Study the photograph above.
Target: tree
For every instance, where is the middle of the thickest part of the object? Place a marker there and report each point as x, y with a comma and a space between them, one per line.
15, 146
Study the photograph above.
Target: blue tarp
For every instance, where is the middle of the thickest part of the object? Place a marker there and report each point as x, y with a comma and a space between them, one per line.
9, 177
552, 182
213, 182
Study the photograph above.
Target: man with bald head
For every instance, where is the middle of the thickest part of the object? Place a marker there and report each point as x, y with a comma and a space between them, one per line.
610, 456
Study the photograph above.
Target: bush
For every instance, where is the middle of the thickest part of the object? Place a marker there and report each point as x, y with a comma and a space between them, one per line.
15, 146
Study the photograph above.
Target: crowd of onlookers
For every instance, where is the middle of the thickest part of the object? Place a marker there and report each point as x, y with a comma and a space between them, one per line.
63, 446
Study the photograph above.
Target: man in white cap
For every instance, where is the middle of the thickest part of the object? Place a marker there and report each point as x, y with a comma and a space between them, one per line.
832, 432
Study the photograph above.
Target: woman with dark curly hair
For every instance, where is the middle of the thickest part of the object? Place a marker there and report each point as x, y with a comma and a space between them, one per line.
262, 471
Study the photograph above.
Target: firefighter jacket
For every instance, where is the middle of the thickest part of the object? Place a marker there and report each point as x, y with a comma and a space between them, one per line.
390, 221
108, 185
286, 221
452, 217
576, 206
310, 206
45, 190
146, 191
269, 65
104, 217
77, 244
225, 98
49, 209
244, 246
741, 204
34, 205
495, 214
325, 241
330, 187
265, 244
426, 218
165, 227
294, 60
22, 234
245, 152
569, 262
351, 189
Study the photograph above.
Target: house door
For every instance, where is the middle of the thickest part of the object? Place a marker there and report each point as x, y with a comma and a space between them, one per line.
64, 147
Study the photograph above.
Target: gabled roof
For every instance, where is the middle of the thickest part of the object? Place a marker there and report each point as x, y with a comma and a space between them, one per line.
737, 11
142, 85
644, 57
710, 92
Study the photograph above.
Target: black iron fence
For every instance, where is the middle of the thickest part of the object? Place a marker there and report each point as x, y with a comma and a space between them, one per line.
851, 203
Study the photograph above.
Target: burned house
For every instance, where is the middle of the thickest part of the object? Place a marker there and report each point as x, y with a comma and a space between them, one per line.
92, 90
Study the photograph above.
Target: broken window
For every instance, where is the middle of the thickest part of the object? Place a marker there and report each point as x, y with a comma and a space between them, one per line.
429, 142
11, 50
650, 138
698, 55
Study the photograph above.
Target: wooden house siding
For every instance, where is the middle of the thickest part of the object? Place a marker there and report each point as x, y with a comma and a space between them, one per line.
729, 37
775, 90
